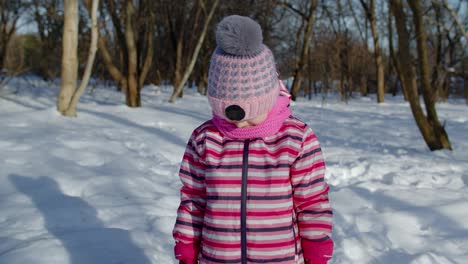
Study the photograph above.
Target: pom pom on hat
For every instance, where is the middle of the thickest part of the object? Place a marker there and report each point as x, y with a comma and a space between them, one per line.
239, 35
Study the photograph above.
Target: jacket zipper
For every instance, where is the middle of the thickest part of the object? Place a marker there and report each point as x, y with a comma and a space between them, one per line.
245, 167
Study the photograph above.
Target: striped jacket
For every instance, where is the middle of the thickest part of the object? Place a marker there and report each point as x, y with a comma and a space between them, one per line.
253, 200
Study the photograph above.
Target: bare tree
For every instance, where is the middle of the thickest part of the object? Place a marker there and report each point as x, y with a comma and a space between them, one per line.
69, 94
369, 9
189, 68
49, 19
432, 131
454, 15
303, 58
393, 56
134, 27
10, 12
69, 54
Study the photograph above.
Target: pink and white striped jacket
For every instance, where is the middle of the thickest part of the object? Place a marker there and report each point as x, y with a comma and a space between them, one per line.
259, 200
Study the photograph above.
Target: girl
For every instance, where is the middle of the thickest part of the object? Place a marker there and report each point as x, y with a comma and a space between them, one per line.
253, 176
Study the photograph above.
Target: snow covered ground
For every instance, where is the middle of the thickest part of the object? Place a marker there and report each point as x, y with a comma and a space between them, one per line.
103, 187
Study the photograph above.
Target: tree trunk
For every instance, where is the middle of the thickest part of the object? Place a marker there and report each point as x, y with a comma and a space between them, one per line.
69, 55
393, 55
110, 66
133, 92
465, 86
71, 110
370, 14
133, 74
408, 77
442, 140
178, 63
196, 51
364, 85
149, 54
304, 53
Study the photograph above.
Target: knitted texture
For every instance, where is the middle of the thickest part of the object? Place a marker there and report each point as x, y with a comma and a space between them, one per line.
238, 35
243, 75
268, 127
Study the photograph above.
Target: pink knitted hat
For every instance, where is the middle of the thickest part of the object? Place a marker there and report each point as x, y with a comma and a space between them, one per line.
242, 79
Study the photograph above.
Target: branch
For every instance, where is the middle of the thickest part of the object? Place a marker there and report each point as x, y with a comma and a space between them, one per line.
454, 16
295, 10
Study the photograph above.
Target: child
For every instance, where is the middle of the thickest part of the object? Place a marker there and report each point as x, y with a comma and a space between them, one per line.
253, 176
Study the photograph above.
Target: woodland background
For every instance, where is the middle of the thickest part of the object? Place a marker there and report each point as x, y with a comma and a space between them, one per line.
417, 48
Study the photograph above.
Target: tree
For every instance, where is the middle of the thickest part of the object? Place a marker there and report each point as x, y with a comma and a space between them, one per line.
193, 59
48, 16
69, 54
134, 28
10, 12
447, 6
69, 94
370, 14
432, 131
302, 60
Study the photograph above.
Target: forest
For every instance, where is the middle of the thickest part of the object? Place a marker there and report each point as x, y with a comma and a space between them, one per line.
417, 48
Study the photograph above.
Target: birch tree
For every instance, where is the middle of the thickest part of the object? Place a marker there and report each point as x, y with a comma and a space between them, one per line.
70, 94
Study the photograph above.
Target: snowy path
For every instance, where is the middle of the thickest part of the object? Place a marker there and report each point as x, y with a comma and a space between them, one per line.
103, 188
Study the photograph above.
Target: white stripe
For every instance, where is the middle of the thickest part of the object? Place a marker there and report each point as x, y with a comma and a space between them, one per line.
189, 216
213, 236
307, 217
273, 148
238, 159
222, 253
253, 222
263, 174
306, 162
293, 131
232, 159
268, 237
213, 146
311, 144
252, 205
189, 182
308, 177
224, 206
234, 237
230, 146
308, 191
272, 253
190, 232
256, 190
268, 190
222, 190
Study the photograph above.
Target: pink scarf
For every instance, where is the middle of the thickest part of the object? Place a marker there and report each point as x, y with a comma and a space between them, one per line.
268, 127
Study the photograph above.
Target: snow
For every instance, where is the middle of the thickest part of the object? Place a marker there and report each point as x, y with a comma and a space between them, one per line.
103, 187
